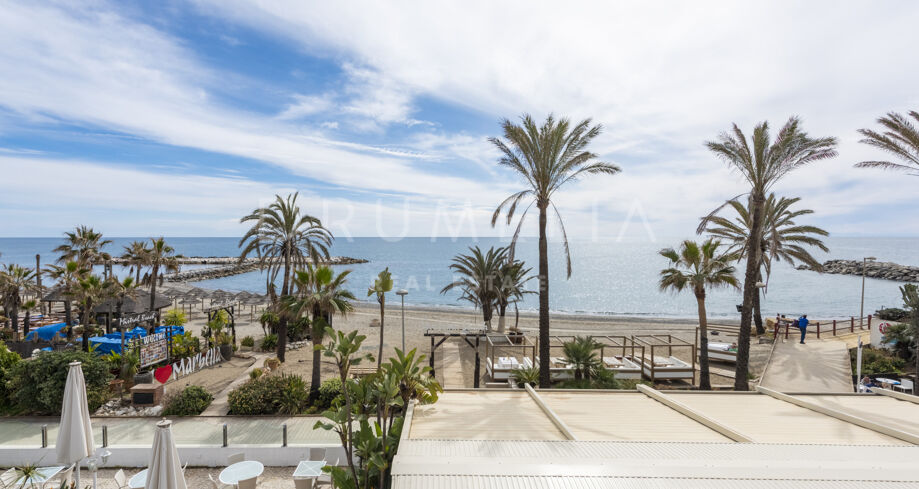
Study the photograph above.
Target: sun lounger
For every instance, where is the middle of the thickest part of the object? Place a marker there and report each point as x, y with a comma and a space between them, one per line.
623, 367
724, 352
660, 368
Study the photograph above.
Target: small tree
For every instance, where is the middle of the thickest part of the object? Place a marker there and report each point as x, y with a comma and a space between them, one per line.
381, 286
581, 354
698, 267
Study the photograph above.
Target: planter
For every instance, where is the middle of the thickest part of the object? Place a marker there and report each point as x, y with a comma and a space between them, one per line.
143, 378
226, 351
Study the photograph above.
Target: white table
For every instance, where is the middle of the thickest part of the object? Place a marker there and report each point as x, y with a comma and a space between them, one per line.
309, 468
139, 480
241, 471
887, 381
42, 475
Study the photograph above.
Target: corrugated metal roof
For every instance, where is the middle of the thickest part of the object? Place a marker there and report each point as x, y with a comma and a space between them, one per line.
507, 415
895, 413
536, 482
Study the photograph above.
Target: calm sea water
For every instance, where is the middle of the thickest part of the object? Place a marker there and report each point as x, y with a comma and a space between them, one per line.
609, 277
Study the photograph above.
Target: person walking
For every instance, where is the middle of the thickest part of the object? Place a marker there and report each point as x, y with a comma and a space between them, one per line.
802, 323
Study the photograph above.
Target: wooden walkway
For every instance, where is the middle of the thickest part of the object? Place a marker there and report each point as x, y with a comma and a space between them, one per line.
817, 366
451, 370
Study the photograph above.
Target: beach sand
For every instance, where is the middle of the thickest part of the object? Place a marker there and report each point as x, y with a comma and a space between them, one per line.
420, 319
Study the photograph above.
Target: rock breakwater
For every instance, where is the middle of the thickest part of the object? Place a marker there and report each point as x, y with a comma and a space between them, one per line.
884, 270
225, 266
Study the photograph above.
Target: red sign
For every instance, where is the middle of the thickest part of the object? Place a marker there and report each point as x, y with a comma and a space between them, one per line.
883, 327
162, 374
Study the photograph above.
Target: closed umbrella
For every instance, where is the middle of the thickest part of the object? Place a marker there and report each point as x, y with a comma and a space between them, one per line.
164, 470
75, 435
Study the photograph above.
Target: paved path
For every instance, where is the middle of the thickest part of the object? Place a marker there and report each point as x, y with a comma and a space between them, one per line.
221, 404
452, 366
200, 430
816, 366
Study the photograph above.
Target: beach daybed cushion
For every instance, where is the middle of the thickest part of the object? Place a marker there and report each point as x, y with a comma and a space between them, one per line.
45, 333
713, 345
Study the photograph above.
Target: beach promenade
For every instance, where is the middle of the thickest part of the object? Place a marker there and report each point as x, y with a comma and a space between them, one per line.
818, 366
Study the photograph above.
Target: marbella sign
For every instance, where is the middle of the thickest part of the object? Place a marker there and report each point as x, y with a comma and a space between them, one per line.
190, 365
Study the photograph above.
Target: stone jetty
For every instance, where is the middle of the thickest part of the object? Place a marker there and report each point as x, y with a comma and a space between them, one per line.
877, 269
225, 266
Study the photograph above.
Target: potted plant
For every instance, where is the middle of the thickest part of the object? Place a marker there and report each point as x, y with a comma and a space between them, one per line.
225, 344
247, 343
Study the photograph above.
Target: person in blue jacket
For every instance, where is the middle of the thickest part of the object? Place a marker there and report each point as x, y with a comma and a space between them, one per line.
802, 323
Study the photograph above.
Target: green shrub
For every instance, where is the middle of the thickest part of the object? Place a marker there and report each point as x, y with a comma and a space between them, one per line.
329, 391
185, 346
8, 360
192, 401
269, 394
526, 375
269, 342
256, 373
247, 341
175, 317
877, 361
37, 386
891, 314
298, 330
603, 379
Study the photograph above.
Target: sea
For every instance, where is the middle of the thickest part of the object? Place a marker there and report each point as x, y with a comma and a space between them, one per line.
610, 277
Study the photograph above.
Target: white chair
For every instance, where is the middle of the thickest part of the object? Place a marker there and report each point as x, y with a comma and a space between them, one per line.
121, 479
326, 479
7, 478
247, 484
303, 483
66, 475
317, 454
236, 458
905, 386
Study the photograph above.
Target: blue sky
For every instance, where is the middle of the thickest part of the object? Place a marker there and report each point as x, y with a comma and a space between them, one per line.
177, 118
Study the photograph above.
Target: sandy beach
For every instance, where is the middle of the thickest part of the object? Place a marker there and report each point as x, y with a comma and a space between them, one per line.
418, 320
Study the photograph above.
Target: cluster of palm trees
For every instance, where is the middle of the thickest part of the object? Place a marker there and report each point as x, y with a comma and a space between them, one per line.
83, 249
491, 281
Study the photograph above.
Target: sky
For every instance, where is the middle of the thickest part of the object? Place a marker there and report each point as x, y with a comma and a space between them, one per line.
177, 118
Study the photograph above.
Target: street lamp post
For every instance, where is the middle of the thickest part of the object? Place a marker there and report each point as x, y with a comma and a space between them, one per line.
861, 314
402, 293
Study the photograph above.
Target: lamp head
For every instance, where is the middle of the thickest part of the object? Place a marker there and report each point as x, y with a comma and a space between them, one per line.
402, 292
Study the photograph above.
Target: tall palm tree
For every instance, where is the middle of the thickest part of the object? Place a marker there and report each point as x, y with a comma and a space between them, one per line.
783, 239
381, 285
161, 259
14, 281
135, 256
83, 245
762, 166
699, 267
901, 139
284, 240
512, 280
67, 277
479, 278
123, 289
319, 294
546, 157
91, 290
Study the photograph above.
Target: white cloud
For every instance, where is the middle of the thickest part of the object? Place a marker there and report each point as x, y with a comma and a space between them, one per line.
305, 105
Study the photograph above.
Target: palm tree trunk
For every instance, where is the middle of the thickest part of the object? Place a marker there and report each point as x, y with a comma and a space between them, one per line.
68, 318
749, 295
14, 317
382, 319
25, 326
501, 311
487, 314
705, 382
316, 374
282, 323
153, 274
758, 315
137, 280
85, 324
545, 380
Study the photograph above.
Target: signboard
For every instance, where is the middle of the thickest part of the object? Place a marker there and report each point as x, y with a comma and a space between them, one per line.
153, 348
135, 319
191, 365
221, 305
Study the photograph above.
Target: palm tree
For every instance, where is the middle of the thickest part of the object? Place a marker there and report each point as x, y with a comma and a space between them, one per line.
699, 267
135, 256
581, 354
83, 245
512, 279
320, 294
285, 240
900, 139
762, 167
479, 278
783, 239
123, 289
90, 292
160, 258
381, 285
546, 157
28, 306
14, 281
67, 277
